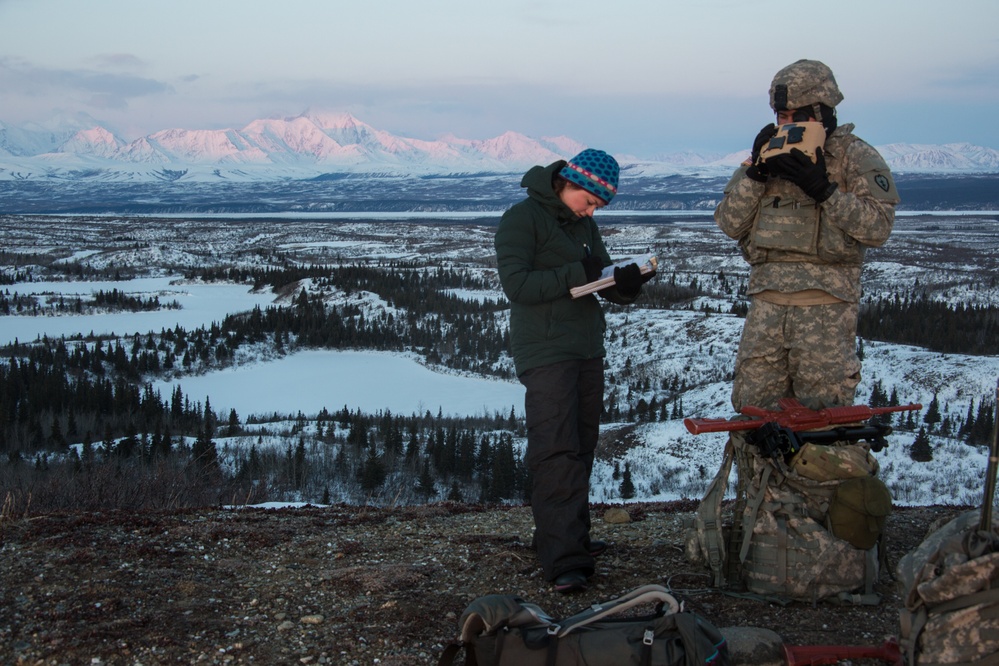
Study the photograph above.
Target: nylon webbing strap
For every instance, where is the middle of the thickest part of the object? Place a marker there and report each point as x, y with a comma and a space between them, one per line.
959, 603
709, 516
750, 518
451, 651
781, 551
552, 650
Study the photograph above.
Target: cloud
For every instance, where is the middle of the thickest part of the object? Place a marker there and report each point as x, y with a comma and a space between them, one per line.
119, 60
109, 90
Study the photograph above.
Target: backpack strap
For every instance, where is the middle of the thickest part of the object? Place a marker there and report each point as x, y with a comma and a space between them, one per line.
869, 597
452, 650
708, 517
643, 595
959, 603
749, 517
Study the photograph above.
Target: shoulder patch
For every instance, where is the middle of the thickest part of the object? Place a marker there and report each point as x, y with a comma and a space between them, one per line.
872, 168
882, 185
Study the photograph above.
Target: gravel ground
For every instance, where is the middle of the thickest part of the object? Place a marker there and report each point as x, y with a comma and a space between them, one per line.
347, 585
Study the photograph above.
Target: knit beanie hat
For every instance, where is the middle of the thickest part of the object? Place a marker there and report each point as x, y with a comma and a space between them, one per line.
595, 171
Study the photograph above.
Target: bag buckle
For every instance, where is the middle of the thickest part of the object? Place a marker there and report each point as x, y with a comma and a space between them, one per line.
648, 636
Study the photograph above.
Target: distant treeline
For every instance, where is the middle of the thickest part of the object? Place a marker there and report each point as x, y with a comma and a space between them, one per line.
104, 301
949, 328
975, 428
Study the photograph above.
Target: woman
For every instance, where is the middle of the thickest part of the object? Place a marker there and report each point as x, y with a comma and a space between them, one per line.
545, 245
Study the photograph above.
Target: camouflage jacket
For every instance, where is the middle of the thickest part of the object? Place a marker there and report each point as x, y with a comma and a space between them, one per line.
792, 243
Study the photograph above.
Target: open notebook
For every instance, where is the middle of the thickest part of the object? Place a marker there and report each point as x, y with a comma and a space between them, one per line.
646, 262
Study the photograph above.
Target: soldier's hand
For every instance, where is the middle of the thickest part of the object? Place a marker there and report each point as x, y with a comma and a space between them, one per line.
762, 139
757, 170
811, 177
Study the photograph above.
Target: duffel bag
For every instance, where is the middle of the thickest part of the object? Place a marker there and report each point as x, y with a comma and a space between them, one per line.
504, 630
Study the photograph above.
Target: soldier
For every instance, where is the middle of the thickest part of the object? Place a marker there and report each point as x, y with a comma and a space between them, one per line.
803, 226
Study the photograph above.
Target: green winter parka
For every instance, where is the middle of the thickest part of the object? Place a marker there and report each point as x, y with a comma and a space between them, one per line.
540, 244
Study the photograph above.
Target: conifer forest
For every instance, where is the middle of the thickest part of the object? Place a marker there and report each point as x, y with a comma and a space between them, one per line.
82, 427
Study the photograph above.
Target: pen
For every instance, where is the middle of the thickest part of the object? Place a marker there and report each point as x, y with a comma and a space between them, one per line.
586, 249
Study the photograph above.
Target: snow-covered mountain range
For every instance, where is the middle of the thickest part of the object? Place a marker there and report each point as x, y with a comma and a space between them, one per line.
316, 143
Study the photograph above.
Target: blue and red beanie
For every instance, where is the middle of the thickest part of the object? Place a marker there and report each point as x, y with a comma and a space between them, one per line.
595, 171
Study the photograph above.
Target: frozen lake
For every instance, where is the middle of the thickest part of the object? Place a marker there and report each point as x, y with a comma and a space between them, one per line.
201, 304
306, 381
370, 381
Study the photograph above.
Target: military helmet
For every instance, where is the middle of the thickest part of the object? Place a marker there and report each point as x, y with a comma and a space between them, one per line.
804, 83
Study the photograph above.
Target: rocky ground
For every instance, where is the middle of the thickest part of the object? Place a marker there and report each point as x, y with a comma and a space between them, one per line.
347, 585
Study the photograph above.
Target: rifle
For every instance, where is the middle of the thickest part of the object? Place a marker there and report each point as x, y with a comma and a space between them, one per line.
814, 655
780, 434
794, 415
779, 442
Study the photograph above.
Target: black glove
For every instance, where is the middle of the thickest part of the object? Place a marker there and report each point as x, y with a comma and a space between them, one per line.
629, 279
810, 176
762, 139
757, 170
593, 267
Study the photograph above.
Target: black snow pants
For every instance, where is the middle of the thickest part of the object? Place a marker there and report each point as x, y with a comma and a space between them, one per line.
563, 405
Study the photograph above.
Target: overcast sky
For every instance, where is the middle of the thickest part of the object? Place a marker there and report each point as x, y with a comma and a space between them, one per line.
637, 77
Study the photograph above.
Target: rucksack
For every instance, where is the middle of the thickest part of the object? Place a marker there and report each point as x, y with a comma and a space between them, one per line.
950, 593
505, 630
781, 543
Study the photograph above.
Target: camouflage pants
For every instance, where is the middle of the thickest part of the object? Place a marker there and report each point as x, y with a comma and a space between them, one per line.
804, 352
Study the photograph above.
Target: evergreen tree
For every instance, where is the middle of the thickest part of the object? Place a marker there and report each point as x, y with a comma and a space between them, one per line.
204, 455
413, 445
932, 415
372, 471
878, 397
921, 449
58, 441
253, 466
981, 432
233, 427
627, 487
969, 421
426, 487
87, 451
298, 474
503, 475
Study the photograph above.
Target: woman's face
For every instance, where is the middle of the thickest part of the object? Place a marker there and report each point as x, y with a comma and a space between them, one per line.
580, 201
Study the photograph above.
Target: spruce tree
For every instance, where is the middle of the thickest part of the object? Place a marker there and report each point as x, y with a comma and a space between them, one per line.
627, 487
932, 415
426, 487
372, 471
921, 449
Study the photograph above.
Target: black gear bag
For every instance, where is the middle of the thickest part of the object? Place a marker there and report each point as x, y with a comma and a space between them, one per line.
504, 630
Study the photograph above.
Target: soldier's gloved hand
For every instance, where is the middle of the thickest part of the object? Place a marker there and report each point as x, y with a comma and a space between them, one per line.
629, 279
593, 267
811, 177
757, 170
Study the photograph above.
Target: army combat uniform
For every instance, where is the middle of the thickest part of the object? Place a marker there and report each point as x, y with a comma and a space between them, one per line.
799, 339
